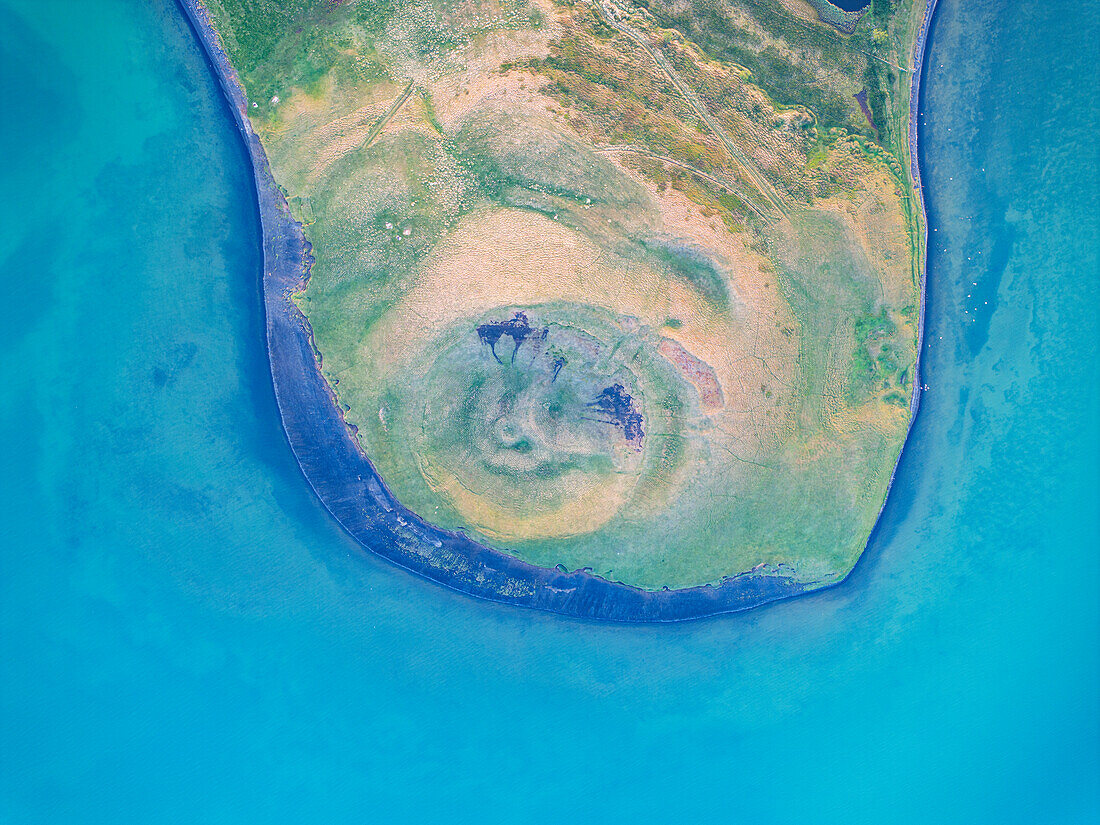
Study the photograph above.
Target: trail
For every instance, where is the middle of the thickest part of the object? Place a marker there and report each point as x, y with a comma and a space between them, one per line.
637, 150
607, 12
387, 116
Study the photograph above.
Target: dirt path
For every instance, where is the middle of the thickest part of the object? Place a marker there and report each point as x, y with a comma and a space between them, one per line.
608, 12
637, 150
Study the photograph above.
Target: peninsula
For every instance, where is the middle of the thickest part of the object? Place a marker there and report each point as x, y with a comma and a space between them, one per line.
602, 307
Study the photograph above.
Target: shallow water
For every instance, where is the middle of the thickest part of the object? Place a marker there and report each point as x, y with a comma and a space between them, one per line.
851, 5
185, 634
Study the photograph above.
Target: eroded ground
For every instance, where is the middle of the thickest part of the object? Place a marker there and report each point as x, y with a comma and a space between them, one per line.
632, 289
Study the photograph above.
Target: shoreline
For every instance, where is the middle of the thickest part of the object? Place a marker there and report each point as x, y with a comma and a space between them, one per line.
345, 481
920, 47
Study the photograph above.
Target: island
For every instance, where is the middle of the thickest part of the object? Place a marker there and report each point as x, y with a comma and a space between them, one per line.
611, 308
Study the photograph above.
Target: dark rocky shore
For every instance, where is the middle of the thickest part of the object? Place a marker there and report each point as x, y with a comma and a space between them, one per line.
351, 489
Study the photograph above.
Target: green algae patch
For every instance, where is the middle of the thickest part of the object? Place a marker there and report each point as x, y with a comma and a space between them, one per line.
608, 287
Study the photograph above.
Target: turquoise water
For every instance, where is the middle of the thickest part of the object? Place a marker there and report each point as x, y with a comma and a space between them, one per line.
185, 636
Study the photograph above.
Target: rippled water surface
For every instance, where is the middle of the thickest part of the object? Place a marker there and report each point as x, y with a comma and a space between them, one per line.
186, 636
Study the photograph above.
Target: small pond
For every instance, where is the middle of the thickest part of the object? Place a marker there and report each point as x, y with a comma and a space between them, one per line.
851, 5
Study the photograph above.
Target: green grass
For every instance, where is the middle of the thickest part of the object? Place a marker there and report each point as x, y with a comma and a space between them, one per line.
694, 269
